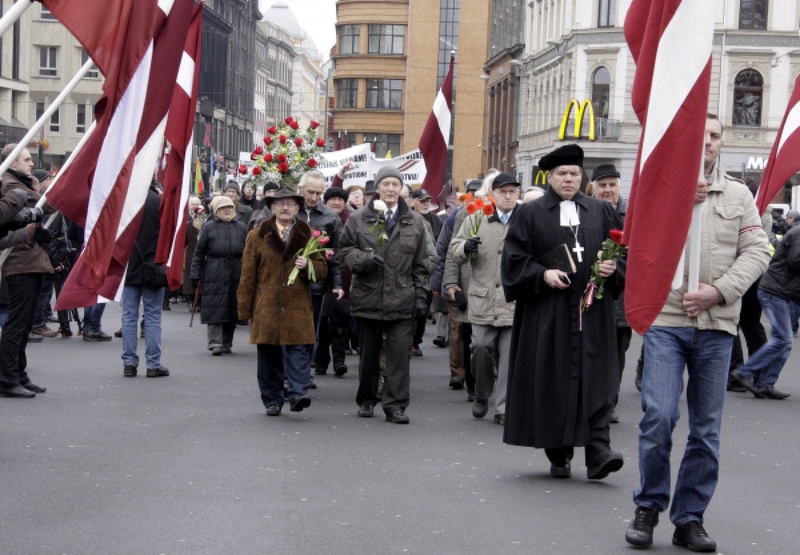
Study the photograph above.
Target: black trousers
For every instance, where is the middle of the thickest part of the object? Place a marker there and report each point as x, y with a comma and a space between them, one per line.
23, 293
750, 326
397, 381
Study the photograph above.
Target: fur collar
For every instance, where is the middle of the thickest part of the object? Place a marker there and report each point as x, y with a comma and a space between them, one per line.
301, 233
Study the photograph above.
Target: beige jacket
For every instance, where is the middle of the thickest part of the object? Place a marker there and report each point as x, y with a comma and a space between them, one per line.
734, 253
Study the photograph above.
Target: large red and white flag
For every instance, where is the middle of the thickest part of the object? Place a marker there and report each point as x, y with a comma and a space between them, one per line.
436, 136
137, 44
671, 42
784, 160
178, 174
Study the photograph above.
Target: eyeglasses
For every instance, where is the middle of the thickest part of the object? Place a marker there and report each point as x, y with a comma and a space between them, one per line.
281, 203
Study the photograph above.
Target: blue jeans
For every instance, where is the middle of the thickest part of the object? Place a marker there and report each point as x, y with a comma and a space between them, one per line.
152, 299
92, 316
667, 351
765, 365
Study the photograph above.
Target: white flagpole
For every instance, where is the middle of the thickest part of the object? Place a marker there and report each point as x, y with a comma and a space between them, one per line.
23, 143
695, 233
13, 14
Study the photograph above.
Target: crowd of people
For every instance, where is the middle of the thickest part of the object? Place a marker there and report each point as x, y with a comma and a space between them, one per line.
321, 273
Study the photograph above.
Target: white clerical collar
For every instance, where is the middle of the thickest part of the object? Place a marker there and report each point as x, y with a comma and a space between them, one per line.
569, 214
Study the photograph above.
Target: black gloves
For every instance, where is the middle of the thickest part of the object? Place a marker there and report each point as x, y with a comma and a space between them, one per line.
471, 245
41, 236
461, 301
372, 264
421, 309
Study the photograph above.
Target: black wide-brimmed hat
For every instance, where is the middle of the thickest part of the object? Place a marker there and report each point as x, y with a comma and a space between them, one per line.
567, 155
283, 193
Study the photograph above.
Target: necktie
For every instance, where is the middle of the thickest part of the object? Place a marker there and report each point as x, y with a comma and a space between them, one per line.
504, 219
390, 220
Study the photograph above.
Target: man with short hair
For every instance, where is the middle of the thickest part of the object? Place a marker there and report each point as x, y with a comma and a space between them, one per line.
384, 246
489, 313
562, 377
695, 331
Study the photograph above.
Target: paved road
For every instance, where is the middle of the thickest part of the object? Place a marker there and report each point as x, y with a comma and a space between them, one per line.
190, 464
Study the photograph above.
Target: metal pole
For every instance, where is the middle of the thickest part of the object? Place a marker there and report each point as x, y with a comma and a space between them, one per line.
13, 14
23, 143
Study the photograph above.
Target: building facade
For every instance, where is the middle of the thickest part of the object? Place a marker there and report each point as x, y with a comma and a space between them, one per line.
15, 65
581, 55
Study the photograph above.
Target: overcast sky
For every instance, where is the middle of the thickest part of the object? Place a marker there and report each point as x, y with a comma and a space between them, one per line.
316, 17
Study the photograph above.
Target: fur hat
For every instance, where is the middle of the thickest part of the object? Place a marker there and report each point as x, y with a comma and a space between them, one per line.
567, 155
335, 192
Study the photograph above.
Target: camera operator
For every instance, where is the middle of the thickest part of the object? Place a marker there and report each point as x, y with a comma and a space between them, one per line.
22, 271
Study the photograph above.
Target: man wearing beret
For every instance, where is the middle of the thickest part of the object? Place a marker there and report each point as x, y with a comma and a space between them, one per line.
563, 376
383, 244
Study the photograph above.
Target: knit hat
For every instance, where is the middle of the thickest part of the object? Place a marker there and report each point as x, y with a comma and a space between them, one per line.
232, 185
221, 202
387, 171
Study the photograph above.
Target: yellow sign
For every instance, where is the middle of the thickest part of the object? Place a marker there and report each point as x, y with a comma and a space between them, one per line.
543, 175
579, 114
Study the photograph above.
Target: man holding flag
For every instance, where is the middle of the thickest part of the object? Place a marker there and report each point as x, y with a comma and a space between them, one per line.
695, 331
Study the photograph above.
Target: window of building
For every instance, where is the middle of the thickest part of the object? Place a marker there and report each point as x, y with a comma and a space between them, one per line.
55, 121
748, 91
80, 118
607, 13
383, 143
39, 110
48, 61
601, 86
387, 39
45, 14
385, 94
349, 37
346, 93
92, 73
753, 14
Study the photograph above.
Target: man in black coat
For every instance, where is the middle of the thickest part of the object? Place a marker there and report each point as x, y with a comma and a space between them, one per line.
563, 375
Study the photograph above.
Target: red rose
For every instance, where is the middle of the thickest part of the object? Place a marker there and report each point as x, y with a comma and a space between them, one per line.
272, 130
289, 120
281, 158
282, 139
294, 125
312, 163
253, 156
313, 124
283, 167
298, 142
259, 150
267, 141
268, 157
257, 170
616, 236
243, 169
320, 142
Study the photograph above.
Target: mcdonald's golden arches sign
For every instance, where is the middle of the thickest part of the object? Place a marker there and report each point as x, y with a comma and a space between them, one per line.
580, 113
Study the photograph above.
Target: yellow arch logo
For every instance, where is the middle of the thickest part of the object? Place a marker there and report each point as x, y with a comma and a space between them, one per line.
580, 110
541, 175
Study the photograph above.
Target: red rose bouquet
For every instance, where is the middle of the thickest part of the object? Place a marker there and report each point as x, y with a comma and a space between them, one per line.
287, 154
612, 249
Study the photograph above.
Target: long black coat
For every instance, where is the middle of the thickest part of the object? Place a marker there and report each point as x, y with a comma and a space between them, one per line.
561, 381
218, 258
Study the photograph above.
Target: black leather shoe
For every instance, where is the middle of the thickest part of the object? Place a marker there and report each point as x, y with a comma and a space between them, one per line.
159, 372
312, 385
561, 471
693, 537
298, 403
30, 386
17, 391
456, 383
640, 531
440, 342
366, 411
340, 370
129, 371
766, 393
609, 462
737, 379
480, 407
320, 371
96, 336
397, 416
274, 410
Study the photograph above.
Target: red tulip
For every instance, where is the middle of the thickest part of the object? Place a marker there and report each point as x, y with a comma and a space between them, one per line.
324, 240
316, 233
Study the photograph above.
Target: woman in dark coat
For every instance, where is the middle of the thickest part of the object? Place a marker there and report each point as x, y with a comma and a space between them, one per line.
218, 258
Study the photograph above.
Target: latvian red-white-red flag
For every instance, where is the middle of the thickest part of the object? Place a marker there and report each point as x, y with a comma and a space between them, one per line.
784, 160
137, 45
436, 136
178, 173
671, 43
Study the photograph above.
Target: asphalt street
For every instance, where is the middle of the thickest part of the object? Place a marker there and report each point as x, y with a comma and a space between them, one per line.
190, 464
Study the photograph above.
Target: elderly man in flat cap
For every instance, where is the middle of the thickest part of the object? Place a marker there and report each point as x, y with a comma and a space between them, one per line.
563, 374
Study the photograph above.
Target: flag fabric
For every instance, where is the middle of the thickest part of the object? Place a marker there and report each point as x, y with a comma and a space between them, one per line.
180, 135
436, 136
198, 178
137, 45
783, 161
671, 42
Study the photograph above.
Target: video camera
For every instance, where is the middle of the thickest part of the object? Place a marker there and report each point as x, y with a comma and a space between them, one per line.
21, 218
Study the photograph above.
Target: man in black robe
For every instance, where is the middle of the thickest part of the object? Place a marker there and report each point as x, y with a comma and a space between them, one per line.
563, 373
